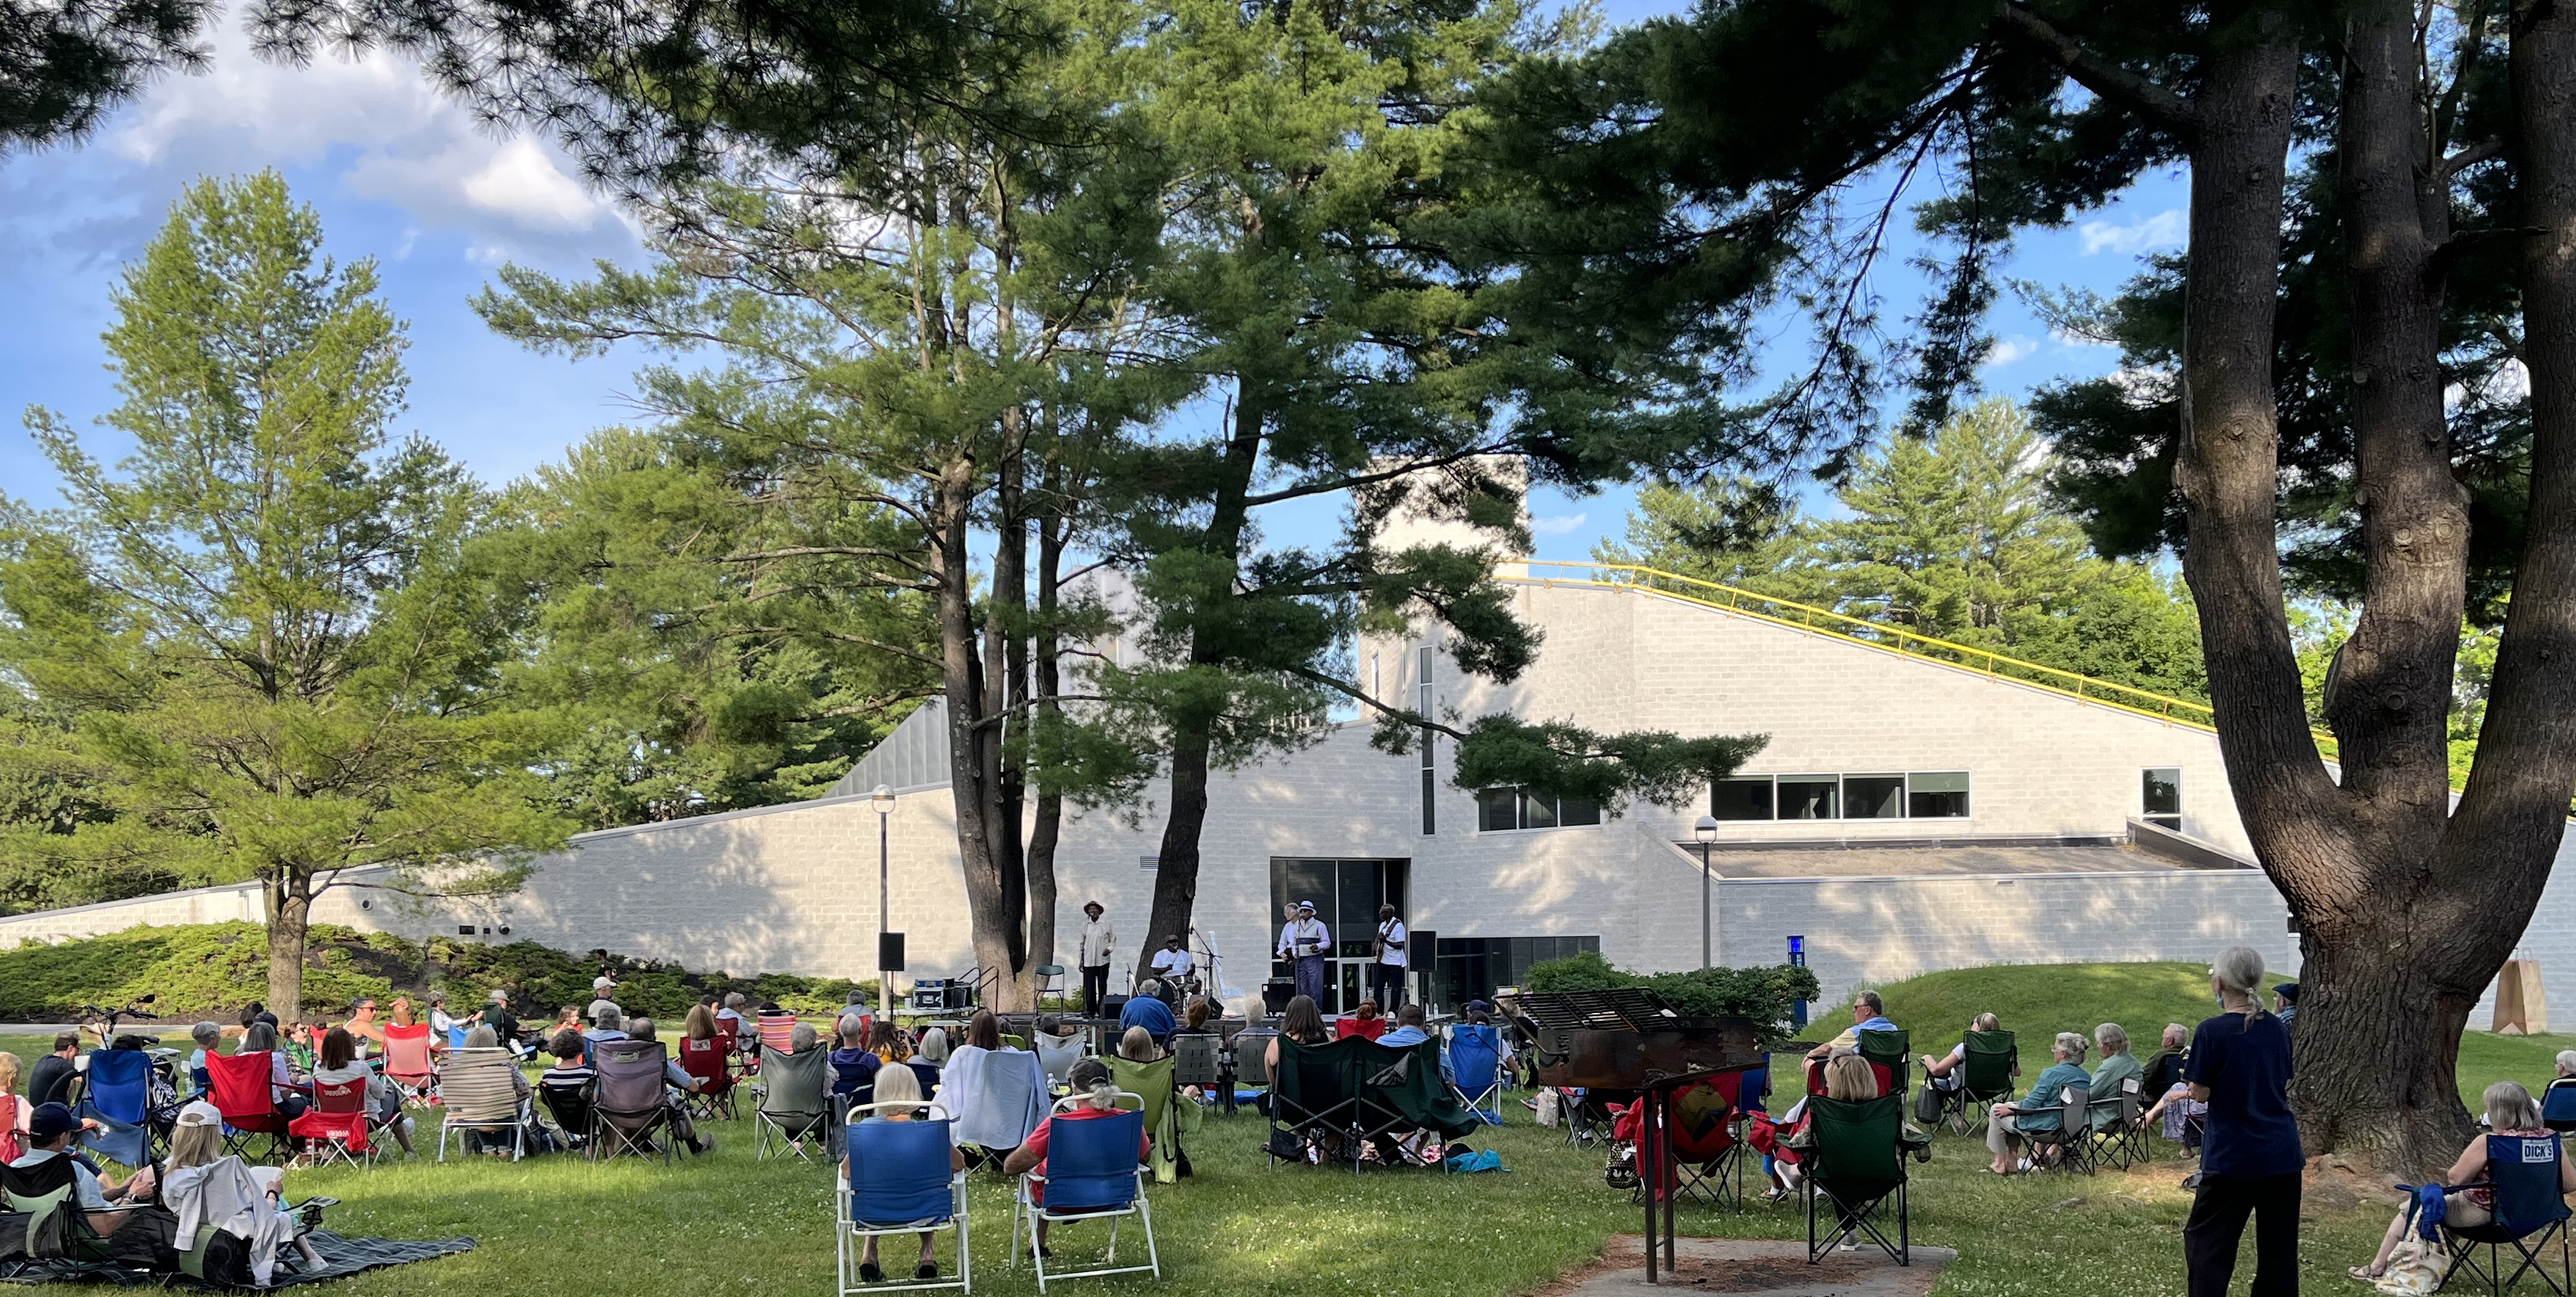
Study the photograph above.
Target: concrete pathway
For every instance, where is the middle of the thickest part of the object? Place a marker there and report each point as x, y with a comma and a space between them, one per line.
1771, 1267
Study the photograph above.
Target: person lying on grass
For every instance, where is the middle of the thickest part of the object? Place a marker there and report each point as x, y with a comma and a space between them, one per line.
2510, 1112
899, 1085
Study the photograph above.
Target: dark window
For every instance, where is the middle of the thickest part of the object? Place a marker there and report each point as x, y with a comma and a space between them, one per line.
1741, 799
1537, 812
1502, 810
1575, 811
1942, 795
2162, 797
1422, 692
1810, 797
1874, 797
1498, 810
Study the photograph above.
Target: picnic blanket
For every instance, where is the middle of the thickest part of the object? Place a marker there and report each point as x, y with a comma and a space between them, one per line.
344, 1257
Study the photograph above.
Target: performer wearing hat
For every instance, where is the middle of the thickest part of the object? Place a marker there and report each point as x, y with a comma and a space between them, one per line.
1307, 941
1097, 938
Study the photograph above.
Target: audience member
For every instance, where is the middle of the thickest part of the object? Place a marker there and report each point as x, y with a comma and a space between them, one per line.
1302, 1022
13, 1110
51, 1082
606, 1023
287, 1090
898, 1085
363, 1027
2285, 1003
680, 1085
730, 1016
1095, 1096
2174, 1108
340, 1062
1868, 1014
440, 1023
402, 1012
493, 1143
1847, 1077
1146, 1009
1411, 1028
2040, 1110
2116, 1067
854, 1065
196, 1143
1949, 1071
2509, 1111
497, 1016
600, 986
208, 1036
2250, 1159
49, 1135
1136, 1045
887, 1042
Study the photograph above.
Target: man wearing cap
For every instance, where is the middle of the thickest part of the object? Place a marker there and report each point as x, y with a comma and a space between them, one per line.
497, 1016
600, 986
49, 1135
1307, 941
1172, 964
2285, 1003
1096, 941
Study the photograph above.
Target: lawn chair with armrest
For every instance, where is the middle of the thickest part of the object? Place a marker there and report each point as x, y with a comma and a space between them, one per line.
795, 1104
1092, 1172
482, 1096
407, 1061
631, 1103
1854, 1165
2530, 1213
1989, 1059
243, 1094
1476, 1065
900, 1183
117, 1093
338, 1127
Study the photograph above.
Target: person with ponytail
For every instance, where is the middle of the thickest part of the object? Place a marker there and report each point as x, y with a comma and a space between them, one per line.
1095, 1095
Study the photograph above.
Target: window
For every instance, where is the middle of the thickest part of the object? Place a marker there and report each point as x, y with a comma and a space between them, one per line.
1504, 810
1927, 795
1470, 968
2162, 797
1346, 894
1422, 707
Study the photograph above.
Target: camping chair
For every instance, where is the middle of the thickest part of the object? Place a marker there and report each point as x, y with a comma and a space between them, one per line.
795, 1103
1092, 1172
629, 1106
1585, 1113
249, 1106
2072, 1139
1370, 1029
1708, 1157
1251, 1064
56, 1228
2522, 1170
899, 1184
1476, 1056
480, 1096
118, 1095
1056, 1056
456, 1036
570, 1106
705, 1060
1855, 1162
1200, 1059
1406, 1108
2558, 1104
1008, 1099
1314, 1104
407, 1061
778, 1031
1156, 1085
2118, 1136
337, 1128
1888, 1053
1989, 1059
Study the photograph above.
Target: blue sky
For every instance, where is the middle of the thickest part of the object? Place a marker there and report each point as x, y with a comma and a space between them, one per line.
402, 175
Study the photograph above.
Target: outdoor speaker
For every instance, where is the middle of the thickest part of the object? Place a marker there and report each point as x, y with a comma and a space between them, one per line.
1112, 1005
889, 952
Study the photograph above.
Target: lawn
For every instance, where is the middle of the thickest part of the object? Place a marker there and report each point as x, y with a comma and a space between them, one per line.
729, 1224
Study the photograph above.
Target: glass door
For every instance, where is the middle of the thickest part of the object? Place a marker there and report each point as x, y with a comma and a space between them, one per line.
1346, 894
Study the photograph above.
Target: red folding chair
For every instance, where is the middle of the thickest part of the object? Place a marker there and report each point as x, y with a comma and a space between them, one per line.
706, 1060
336, 1127
1372, 1028
249, 1106
778, 1032
737, 1061
407, 1062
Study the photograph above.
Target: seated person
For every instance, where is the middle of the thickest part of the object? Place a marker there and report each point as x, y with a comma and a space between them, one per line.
51, 1082
888, 1042
1849, 1078
1094, 1096
197, 1142
492, 1142
2509, 1111
607, 1022
49, 1135
291, 1094
854, 1066
2566, 1071
208, 1037
1146, 1009
2174, 1106
2041, 1109
1949, 1071
1136, 1046
340, 1063
680, 1085
898, 1085
1409, 1031
1372, 1020
1868, 1014
1173, 965
2118, 1067
1302, 1022
363, 1026
729, 1019
572, 1072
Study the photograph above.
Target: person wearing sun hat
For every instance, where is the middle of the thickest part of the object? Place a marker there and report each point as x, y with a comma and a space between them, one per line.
1308, 942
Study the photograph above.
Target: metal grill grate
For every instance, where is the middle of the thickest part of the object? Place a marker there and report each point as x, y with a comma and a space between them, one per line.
1622, 1009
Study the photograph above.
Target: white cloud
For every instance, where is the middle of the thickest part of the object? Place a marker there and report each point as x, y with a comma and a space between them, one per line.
2011, 349
2162, 230
1557, 524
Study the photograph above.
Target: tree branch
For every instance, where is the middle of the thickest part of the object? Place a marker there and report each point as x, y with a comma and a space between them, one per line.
2140, 95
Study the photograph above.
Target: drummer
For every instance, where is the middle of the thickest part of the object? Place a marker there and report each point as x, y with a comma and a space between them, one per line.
1173, 965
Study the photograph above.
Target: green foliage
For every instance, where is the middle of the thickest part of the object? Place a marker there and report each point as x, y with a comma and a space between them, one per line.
1566, 760
1764, 994
211, 970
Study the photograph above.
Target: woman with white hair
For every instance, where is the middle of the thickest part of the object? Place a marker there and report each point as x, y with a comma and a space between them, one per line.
2558, 1098
2114, 1067
2040, 1110
2250, 1157
2509, 1112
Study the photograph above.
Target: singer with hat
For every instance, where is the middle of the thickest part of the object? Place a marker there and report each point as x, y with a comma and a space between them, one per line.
1306, 941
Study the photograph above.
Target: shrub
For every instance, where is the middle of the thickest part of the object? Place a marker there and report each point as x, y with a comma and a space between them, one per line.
1763, 993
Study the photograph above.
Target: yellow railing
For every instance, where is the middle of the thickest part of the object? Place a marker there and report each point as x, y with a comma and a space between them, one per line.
1877, 635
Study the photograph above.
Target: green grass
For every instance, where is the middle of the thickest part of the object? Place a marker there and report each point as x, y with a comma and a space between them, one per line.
731, 1225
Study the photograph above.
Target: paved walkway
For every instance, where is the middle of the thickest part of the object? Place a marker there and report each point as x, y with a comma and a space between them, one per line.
1771, 1267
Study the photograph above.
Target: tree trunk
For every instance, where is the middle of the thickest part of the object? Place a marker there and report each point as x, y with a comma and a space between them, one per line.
1006, 689
1176, 866
991, 914
1048, 827
290, 920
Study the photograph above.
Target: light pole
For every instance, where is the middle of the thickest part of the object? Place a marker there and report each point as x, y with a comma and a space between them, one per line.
1706, 832
883, 800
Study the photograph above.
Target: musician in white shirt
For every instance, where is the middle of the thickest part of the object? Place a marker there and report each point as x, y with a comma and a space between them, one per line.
1307, 941
1387, 975
1096, 941
1173, 963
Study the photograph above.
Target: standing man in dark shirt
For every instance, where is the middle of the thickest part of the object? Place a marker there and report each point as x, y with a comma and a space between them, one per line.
2250, 1157
52, 1078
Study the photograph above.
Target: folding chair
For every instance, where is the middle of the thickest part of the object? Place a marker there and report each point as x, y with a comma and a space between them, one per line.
2558, 1104
1314, 1105
338, 1127
1369, 1029
1708, 1156
778, 1031
1888, 1053
117, 1093
570, 1106
2072, 1139
1157, 1088
795, 1104
2118, 1136
629, 1106
55, 1228
249, 1106
1092, 1172
705, 1061
1988, 1058
1585, 1113
1476, 1060
1048, 976
1855, 1162
1057, 1055
1251, 1064
1200, 1058
899, 1184
1406, 1109
407, 1062
481, 1096
456, 1037
2522, 1172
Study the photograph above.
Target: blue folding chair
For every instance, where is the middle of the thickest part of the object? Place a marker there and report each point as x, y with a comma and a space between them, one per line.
2522, 1171
118, 1095
1092, 1171
900, 1184
1476, 1065
2558, 1104
456, 1038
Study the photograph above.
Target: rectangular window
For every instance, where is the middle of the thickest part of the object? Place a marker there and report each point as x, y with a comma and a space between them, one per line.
1942, 795
1504, 810
2161, 797
1498, 810
1810, 797
1574, 811
1537, 812
1741, 798
1422, 693
1874, 797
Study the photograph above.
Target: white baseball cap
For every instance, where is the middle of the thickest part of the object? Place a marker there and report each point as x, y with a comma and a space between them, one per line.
602, 982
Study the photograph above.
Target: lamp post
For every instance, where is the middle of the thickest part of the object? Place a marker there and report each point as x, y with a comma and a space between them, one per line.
1706, 832
883, 800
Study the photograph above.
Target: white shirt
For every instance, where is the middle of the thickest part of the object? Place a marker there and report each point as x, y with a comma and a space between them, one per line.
1393, 930
1176, 963
1310, 933
1096, 941
92, 1198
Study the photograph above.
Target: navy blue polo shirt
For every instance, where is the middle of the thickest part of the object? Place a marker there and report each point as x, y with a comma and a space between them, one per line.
2245, 1062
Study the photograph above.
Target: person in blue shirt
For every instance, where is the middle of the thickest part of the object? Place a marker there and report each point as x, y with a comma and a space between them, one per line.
2043, 1108
1868, 1014
1146, 1009
1409, 1031
2250, 1157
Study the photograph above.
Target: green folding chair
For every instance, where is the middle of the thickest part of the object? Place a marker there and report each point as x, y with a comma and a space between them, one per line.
1990, 1058
1890, 1050
1153, 1082
1855, 1168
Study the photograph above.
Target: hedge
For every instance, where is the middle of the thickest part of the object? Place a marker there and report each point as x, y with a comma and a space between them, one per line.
1764, 993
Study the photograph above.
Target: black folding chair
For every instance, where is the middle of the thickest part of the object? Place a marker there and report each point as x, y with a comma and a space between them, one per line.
1314, 1107
631, 1104
2530, 1213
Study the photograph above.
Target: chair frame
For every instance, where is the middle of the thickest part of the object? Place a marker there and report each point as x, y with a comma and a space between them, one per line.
847, 1233
1861, 1221
335, 1146
237, 1140
767, 1130
610, 1141
2122, 1140
522, 1111
1024, 1208
705, 1104
2462, 1244
2073, 1138
1493, 1091
417, 1087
